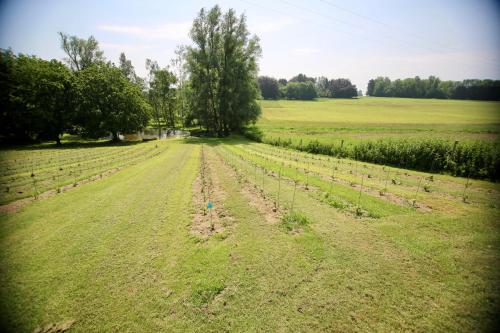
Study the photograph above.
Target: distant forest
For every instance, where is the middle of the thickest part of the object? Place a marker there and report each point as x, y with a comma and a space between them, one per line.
433, 87
306, 88
302, 87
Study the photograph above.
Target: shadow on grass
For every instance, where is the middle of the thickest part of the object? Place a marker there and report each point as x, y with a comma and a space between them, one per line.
71, 145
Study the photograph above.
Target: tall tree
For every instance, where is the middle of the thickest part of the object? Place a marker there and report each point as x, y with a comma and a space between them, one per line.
181, 72
223, 71
81, 53
128, 71
302, 78
161, 95
127, 68
269, 87
54, 99
323, 86
37, 98
301, 90
371, 86
109, 103
342, 88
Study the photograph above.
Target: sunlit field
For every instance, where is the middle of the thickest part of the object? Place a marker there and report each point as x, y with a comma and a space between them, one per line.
333, 120
294, 241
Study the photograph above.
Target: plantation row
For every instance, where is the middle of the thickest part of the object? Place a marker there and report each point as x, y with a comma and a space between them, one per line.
404, 183
383, 190
53, 169
49, 158
478, 159
269, 177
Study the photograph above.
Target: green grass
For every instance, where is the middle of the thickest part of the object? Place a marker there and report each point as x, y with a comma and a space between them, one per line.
31, 170
459, 137
294, 221
119, 254
332, 120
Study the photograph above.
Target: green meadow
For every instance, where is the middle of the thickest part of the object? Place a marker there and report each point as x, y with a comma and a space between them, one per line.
293, 242
368, 118
198, 194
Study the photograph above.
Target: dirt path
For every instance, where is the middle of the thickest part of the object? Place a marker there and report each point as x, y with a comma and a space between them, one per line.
255, 196
210, 217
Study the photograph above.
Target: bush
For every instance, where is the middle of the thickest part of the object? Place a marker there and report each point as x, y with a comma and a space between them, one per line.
294, 220
253, 133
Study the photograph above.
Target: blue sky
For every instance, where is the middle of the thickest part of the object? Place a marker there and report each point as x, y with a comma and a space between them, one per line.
454, 39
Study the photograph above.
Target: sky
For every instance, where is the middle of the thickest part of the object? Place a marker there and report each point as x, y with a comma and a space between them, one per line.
355, 39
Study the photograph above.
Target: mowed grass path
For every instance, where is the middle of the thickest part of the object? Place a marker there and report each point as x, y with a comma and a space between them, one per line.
119, 255
331, 120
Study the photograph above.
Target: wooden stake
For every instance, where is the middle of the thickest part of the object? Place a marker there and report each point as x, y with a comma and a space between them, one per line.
360, 190
293, 199
307, 176
416, 193
279, 188
386, 179
465, 189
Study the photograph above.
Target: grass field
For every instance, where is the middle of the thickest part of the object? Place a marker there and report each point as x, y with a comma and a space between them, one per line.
379, 248
27, 172
332, 120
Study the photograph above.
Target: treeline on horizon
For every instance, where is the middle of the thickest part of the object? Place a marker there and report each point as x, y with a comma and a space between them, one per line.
302, 87
433, 87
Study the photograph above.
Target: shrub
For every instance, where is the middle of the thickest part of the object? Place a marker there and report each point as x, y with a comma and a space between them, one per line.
206, 292
253, 133
294, 220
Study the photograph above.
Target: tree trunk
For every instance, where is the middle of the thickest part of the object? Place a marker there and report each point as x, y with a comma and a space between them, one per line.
116, 138
58, 141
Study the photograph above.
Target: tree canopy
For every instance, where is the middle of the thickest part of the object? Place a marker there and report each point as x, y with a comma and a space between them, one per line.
37, 98
81, 53
335, 88
109, 103
433, 87
161, 95
300, 90
303, 87
128, 71
222, 65
302, 78
269, 87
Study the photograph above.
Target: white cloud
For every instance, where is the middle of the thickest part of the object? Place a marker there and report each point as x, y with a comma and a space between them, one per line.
174, 31
306, 51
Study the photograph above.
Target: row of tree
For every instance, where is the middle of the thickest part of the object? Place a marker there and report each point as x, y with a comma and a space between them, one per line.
212, 84
433, 87
306, 88
43, 99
